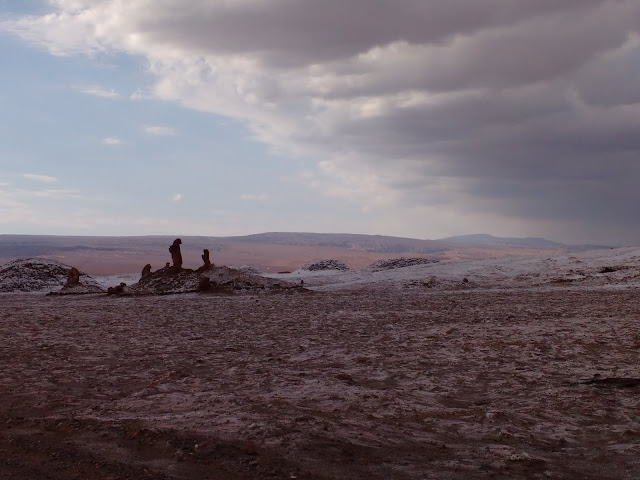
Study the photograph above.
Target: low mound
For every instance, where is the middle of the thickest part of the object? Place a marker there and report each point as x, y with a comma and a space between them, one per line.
319, 265
42, 275
167, 281
392, 263
86, 285
250, 269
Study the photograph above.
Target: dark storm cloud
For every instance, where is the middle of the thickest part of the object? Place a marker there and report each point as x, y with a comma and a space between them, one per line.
530, 108
309, 31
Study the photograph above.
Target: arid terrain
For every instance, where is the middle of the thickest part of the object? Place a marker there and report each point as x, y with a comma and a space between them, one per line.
510, 368
270, 252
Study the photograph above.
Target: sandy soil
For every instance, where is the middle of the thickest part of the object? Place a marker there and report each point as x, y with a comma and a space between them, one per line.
400, 383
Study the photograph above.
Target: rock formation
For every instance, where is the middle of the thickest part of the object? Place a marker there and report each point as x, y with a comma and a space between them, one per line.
116, 290
205, 258
176, 255
206, 262
73, 278
33, 275
146, 270
319, 265
203, 283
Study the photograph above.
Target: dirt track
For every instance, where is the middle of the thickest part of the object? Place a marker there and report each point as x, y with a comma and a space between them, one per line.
370, 384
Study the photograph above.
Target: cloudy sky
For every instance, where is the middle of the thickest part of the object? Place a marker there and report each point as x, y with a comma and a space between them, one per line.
419, 118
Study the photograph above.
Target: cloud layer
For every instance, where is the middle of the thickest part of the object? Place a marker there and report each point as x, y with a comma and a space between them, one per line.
525, 109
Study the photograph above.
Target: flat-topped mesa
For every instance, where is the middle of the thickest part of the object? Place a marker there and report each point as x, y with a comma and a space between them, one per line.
176, 255
146, 271
73, 278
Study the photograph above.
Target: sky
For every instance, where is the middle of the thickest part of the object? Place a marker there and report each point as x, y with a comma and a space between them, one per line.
416, 118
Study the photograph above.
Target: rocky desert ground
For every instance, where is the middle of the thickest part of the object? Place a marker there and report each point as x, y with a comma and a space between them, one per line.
520, 367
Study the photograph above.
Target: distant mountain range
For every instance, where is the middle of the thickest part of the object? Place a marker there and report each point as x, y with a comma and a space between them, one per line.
485, 239
388, 244
371, 243
273, 251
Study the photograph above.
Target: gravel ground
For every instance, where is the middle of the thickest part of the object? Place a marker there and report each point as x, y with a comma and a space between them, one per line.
397, 383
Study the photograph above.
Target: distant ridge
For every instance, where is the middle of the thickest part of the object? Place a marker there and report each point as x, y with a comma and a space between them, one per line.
485, 239
372, 243
271, 251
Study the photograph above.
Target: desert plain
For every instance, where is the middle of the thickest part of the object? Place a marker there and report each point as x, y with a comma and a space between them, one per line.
519, 367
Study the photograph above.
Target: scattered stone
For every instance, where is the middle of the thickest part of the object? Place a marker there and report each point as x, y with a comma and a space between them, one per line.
431, 283
392, 263
320, 265
611, 269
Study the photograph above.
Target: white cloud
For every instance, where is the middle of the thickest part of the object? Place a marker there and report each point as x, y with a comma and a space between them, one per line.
40, 178
262, 197
57, 194
415, 103
140, 94
159, 130
176, 198
98, 91
111, 141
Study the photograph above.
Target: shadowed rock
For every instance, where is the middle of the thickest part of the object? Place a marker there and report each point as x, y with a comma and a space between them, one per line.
203, 283
146, 270
205, 258
73, 278
176, 255
207, 262
118, 290
614, 382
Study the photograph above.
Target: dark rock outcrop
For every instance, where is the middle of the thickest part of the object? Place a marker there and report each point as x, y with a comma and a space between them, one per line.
176, 255
393, 263
146, 270
212, 279
204, 283
205, 258
319, 265
73, 278
75, 286
117, 290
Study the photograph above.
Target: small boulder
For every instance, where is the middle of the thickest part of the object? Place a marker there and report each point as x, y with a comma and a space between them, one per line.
117, 290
